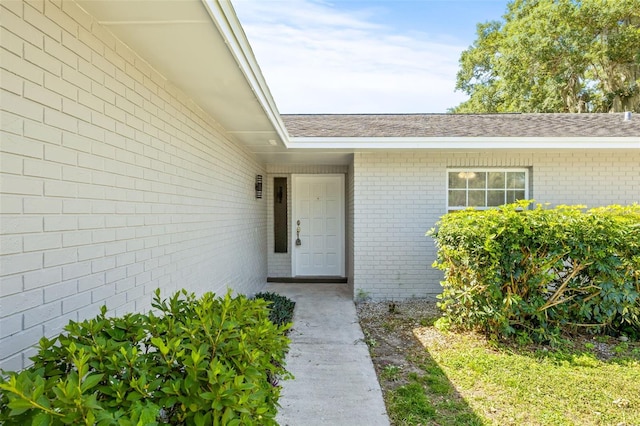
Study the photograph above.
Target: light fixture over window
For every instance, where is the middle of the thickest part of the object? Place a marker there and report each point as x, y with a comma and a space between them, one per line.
258, 186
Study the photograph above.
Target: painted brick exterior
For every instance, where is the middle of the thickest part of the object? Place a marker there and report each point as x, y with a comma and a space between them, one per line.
113, 182
349, 228
399, 196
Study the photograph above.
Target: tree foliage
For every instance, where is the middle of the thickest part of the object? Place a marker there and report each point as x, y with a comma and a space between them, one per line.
555, 56
535, 272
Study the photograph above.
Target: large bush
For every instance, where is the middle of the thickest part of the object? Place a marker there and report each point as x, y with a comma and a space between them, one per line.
194, 362
534, 272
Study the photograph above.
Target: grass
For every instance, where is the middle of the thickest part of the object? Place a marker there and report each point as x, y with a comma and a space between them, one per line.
470, 381
411, 401
429, 399
434, 377
391, 372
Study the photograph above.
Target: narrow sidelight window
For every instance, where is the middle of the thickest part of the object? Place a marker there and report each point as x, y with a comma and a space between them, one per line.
280, 214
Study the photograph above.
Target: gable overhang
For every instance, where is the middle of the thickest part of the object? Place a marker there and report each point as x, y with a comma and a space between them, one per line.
340, 150
355, 144
200, 47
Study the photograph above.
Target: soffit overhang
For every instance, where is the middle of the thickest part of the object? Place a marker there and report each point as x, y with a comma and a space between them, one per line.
200, 47
356, 144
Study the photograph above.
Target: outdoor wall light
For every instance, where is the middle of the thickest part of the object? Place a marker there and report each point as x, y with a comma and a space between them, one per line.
466, 175
258, 186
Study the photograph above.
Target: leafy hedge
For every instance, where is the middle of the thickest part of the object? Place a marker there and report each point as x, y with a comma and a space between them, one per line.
535, 272
280, 307
200, 362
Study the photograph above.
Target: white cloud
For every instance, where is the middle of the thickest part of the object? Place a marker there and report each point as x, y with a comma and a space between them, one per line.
316, 58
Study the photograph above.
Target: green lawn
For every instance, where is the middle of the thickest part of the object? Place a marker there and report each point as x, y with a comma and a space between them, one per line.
464, 380
434, 377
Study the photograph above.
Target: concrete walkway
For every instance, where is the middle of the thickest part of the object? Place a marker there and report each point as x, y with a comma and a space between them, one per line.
335, 382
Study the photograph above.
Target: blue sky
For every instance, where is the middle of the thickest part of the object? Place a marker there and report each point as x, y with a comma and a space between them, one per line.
351, 56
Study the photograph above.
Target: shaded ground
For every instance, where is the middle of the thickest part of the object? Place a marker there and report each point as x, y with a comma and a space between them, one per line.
418, 392
388, 329
405, 370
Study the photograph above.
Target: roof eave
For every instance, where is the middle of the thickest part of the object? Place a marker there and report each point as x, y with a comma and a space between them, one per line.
454, 143
229, 27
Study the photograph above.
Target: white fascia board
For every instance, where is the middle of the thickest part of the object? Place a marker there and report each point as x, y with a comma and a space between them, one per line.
224, 17
453, 143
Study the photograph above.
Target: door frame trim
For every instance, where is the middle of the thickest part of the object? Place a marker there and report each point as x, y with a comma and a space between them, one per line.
343, 219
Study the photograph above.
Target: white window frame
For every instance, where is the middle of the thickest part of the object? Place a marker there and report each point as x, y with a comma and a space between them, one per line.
484, 170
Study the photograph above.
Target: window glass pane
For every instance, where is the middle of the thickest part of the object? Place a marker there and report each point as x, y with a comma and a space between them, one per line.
476, 198
515, 180
513, 196
457, 198
478, 181
495, 198
491, 188
280, 223
457, 180
496, 180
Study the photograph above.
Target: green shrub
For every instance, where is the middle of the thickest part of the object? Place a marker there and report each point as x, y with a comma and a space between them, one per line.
534, 272
199, 361
280, 307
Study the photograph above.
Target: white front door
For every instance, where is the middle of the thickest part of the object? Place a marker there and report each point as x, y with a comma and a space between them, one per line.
318, 225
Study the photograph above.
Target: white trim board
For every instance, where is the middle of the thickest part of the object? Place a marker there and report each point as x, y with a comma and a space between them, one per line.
454, 143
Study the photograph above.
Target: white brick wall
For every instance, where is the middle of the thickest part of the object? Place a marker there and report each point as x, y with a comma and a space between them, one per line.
350, 224
589, 178
399, 196
280, 263
113, 182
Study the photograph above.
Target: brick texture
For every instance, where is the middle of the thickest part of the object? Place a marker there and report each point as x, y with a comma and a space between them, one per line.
397, 197
113, 182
